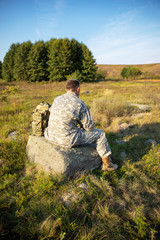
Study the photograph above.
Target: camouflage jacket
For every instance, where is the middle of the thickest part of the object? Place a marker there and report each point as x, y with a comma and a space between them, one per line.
68, 114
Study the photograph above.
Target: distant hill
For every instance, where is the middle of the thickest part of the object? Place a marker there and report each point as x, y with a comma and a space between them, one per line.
114, 71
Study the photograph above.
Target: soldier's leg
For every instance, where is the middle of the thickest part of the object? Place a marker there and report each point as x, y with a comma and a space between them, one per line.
98, 136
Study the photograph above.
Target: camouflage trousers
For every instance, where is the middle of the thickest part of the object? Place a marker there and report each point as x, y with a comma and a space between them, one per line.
96, 136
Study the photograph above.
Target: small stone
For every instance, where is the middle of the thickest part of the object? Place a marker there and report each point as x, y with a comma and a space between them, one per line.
68, 203
120, 141
70, 198
123, 155
124, 127
83, 186
13, 135
141, 106
150, 142
140, 115
86, 92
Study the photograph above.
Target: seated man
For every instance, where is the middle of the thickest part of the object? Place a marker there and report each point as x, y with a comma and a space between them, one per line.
71, 124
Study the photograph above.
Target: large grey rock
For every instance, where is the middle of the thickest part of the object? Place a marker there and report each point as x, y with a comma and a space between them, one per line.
57, 160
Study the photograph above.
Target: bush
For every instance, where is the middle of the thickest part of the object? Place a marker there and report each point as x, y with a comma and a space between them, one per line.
130, 72
4, 98
100, 75
75, 75
11, 90
155, 77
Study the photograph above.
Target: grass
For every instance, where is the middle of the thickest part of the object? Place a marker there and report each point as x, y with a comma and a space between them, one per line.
115, 205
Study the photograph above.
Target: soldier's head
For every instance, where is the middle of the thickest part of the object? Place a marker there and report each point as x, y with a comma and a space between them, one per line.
73, 85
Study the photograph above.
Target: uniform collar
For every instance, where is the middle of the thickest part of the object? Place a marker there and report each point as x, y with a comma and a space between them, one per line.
71, 93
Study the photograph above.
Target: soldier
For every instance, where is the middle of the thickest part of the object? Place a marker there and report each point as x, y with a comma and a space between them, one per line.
71, 124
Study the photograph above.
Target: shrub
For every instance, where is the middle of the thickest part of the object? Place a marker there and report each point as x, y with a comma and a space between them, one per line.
147, 75
111, 108
130, 72
4, 98
75, 75
100, 75
155, 77
11, 90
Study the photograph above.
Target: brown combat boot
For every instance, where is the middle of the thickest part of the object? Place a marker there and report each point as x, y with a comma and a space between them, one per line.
108, 165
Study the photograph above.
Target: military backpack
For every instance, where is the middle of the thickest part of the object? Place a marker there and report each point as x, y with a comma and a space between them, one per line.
40, 119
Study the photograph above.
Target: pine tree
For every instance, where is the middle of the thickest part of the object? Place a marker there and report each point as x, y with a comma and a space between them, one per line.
38, 62
55, 60
8, 63
21, 61
60, 59
77, 55
88, 67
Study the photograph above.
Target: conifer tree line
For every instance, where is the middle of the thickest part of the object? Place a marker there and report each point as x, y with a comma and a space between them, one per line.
54, 60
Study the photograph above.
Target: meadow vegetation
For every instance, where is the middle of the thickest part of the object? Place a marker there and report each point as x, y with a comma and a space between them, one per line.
148, 71
115, 205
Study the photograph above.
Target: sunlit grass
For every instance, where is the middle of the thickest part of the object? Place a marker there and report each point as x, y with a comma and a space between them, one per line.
115, 205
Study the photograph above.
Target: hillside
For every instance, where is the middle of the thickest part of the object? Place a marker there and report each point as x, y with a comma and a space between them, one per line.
113, 71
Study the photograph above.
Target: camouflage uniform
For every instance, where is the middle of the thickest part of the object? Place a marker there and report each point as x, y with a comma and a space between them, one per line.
71, 124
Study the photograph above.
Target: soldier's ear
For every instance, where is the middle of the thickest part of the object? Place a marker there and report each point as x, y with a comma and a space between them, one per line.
78, 90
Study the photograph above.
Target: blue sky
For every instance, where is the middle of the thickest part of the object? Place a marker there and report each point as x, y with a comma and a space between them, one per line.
116, 31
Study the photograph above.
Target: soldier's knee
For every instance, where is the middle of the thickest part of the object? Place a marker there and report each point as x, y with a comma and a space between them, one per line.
101, 133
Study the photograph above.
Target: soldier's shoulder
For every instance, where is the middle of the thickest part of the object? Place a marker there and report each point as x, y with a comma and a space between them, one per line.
59, 98
82, 103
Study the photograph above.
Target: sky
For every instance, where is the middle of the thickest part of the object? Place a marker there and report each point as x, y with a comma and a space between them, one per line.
116, 31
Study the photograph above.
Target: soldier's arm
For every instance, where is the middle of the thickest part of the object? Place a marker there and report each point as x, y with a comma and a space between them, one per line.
86, 118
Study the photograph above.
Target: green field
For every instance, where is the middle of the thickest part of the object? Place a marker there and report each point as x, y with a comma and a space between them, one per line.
124, 204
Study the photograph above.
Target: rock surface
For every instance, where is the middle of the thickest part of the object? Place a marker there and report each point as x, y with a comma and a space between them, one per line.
121, 141
70, 198
141, 106
13, 135
150, 142
86, 92
123, 155
140, 115
55, 160
83, 186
